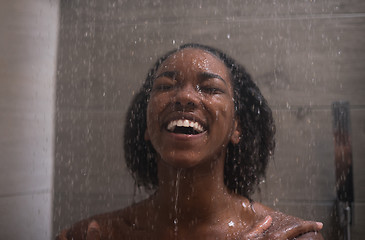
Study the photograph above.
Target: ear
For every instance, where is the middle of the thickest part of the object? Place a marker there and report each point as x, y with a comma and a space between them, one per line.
146, 135
236, 133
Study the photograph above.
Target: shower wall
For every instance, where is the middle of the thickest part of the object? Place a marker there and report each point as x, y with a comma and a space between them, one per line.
28, 46
304, 55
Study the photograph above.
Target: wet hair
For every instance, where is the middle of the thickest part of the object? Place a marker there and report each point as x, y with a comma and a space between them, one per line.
245, 162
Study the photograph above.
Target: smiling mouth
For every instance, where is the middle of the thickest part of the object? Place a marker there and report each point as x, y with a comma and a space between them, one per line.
184, 126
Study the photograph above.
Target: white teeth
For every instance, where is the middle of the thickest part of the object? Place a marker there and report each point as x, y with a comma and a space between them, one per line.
184, 123
171, 126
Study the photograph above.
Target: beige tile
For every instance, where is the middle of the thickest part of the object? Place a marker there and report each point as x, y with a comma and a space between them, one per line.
27, 81
28, 47
26, 216
26, 151
89, 152
303, 168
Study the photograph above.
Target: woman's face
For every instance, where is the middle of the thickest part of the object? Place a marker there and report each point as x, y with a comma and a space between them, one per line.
190, 115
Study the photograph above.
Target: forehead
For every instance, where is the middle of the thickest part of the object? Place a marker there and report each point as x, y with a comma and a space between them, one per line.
194, 59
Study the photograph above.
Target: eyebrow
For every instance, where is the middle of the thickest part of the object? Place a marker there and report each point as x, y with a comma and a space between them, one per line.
207, 75
169, 74
204, 75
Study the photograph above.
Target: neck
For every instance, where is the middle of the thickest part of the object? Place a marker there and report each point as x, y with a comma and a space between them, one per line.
195, 194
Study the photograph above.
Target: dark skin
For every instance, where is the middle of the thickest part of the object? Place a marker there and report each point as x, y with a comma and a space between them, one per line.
192, 201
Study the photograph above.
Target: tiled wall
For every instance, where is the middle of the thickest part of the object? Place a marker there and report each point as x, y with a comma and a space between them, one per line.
28, 47
304, 55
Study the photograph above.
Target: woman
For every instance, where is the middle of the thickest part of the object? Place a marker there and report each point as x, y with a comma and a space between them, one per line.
200, 133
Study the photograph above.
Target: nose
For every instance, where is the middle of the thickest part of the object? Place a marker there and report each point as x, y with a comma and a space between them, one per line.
186, 98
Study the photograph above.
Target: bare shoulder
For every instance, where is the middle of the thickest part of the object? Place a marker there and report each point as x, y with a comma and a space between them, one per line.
294, 227
112, 225
107, 222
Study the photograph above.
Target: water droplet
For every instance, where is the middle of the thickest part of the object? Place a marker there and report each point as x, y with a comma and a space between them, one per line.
228, 36
288, 105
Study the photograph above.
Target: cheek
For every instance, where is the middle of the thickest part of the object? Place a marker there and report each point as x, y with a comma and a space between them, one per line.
223, 107
158, 101
151, 117
154, 108
223, 110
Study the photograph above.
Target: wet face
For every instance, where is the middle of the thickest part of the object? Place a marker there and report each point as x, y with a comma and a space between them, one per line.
190, 115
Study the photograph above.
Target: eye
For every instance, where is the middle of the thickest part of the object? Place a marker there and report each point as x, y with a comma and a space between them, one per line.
164, 84
162, 87
210, 90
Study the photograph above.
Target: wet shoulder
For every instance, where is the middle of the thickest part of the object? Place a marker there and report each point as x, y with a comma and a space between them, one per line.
118, 224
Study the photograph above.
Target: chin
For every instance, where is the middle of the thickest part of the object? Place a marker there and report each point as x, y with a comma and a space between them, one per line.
183, 160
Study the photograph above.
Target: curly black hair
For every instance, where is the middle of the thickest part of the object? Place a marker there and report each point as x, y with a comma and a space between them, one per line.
245, 163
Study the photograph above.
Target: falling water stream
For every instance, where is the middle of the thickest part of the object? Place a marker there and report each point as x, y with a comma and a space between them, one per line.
177, 183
